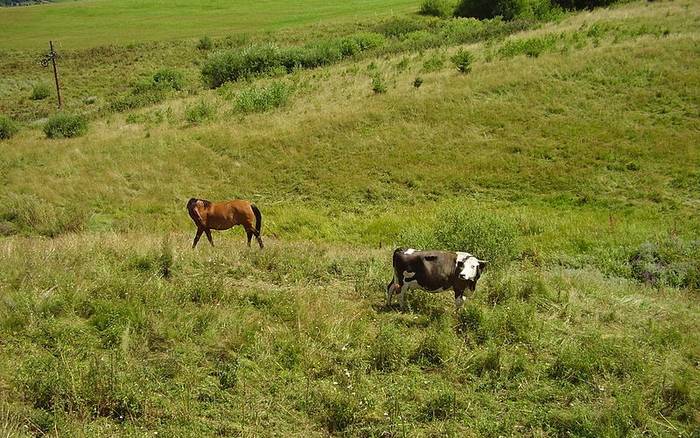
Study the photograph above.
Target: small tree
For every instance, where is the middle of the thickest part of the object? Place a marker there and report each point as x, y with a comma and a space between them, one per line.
463, 60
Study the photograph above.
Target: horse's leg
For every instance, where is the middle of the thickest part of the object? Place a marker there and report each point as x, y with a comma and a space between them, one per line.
206, 230
196, 238
250, 236
258, 238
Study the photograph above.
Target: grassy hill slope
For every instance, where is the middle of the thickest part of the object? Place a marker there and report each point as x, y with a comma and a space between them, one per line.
581, 159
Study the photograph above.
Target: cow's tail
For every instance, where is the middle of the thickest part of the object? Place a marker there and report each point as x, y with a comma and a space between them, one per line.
258, 217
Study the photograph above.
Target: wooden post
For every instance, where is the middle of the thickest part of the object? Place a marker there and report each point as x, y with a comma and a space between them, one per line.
55, 74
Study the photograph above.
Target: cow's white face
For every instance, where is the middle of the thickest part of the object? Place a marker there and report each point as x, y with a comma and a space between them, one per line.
467, 266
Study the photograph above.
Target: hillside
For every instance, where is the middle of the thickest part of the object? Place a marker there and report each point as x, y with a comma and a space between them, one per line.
568, 154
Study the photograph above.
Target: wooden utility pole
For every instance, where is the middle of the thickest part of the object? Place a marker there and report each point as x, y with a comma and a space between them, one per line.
45, 62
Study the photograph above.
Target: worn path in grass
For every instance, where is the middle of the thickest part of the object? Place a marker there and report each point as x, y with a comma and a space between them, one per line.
91, 23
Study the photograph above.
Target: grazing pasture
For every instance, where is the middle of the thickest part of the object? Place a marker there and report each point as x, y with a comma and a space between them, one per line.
92, 23
565, 152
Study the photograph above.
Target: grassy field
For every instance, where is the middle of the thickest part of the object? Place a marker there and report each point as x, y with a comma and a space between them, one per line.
91, 23
569, 154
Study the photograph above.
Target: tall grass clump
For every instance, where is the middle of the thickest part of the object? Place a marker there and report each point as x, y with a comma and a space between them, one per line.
199, 112
151, 91
40, 91
673, 262
63, 125
438, 8
531, 47
389, 351
8, 128
378, 84
486, 235
205, 43
261, 99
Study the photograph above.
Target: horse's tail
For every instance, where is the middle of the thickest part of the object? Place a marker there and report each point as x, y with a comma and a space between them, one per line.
258, 217
191, 204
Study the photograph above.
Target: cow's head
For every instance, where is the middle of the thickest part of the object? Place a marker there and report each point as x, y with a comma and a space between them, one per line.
469, 268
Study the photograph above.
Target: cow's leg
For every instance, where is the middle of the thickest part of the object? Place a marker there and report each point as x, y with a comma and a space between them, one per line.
393, 284
196, 238
402, 301
208, 231
459, 298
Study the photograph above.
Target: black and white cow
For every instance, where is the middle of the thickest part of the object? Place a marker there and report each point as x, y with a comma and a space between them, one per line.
434, 271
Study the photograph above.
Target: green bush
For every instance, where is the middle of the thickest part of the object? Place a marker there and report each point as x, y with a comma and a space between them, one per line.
463, 60
63, 125
508, 9
8, 128
397, 27
169, 78
583, 4
199, 112
438, 8
40, 91
261, 99
205, 43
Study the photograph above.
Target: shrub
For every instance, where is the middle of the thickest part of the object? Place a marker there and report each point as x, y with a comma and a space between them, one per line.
378, 85
508, 9
258, 60
8, 128
205, 43
262, 99
463, 61
398, 27
63, 125
170, 78
40, 91
438, 8
583, 4
200, 112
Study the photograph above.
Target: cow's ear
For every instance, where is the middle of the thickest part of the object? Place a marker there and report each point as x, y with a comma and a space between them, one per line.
483, 264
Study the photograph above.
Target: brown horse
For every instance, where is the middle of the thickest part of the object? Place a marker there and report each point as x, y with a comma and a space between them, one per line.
209, 216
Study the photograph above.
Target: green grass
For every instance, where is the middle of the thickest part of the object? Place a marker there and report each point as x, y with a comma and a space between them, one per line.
575, 169
90, 23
